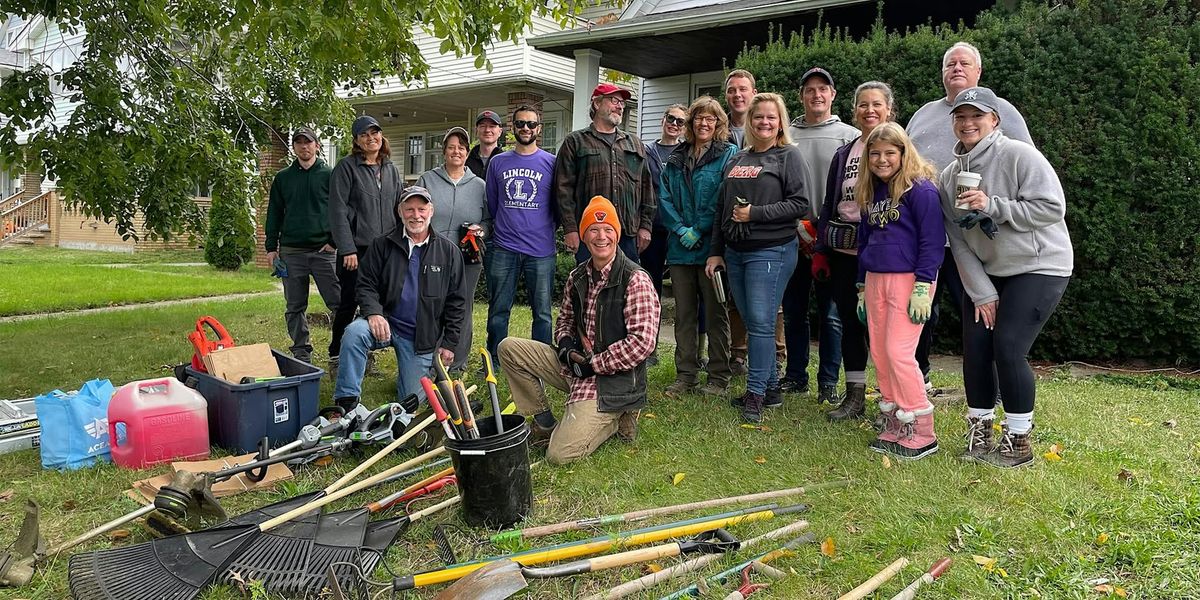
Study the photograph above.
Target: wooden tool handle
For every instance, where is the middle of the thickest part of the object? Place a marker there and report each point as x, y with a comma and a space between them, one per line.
877, 580
366, 464
362, 485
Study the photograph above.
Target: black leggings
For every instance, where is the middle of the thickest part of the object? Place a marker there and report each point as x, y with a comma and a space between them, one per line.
1026, 303
349, 304
843, 278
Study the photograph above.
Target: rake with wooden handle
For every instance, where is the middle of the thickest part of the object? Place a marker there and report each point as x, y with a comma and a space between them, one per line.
179, 567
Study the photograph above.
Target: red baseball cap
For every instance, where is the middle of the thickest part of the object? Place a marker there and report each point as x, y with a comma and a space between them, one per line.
608, 89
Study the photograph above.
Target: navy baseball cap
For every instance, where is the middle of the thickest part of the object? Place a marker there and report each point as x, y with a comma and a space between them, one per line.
364, 124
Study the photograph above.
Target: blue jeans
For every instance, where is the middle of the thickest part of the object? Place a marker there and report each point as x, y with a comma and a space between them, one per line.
357, 342
797, 332
504, 272
759, 279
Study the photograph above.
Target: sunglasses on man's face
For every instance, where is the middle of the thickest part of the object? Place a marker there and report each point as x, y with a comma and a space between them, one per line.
673, 120
519, 124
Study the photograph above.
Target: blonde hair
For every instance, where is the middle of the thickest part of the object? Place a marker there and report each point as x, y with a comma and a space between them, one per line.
707, 105
782, 138
912, 166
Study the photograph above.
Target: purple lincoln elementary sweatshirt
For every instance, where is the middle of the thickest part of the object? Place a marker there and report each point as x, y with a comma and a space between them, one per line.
907, 238
520, 196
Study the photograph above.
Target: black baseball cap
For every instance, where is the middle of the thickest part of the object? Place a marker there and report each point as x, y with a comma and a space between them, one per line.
817, 72
305, 132
489, 115
364, 124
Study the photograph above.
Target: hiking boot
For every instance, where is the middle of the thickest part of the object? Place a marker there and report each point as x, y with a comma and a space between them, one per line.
889, 428
979, 438
752, 408
627, 426
788, 385
678, 389
1012, 451
539, 437
854, 404
773, 398
712, 388
827, 394
915, 438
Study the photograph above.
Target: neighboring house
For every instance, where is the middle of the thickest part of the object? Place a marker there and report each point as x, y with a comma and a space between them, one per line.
682, 48
415, 116
29, 203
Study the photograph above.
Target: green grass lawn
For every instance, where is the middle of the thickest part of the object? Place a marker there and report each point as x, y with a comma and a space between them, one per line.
1054, 528
50, 279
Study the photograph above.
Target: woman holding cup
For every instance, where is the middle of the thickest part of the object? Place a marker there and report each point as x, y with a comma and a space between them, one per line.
835, 258
754, 238
1015, 267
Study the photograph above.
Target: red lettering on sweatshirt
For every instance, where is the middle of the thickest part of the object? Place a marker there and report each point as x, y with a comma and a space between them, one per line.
745, 172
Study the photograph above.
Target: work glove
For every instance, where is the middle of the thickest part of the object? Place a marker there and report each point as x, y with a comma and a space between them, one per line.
920, 303
985, 223
820, 267
581, 366
862, 303
689, 237
806, 234
567, 345
279, 268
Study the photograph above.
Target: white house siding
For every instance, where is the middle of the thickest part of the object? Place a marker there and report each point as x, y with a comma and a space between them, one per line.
657, 94
47, 44
663, 6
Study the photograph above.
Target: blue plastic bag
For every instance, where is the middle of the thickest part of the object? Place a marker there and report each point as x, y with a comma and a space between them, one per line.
75, 426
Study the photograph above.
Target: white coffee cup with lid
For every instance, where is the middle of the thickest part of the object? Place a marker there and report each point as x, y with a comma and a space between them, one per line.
964, 181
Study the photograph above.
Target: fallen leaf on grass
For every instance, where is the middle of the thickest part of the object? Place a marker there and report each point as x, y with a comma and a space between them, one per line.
1138, 421
6, 495
118, 534
68, 505
1054, 454
1170, 424
650, 415
1102, 539
652, 568
1104, 588
989, 564
756, 427
828, 548
887, 462
1126, 476
851, 528
762, 460
677, 478
971, 483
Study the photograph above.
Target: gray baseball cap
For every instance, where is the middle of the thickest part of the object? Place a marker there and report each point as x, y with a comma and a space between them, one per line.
980, 97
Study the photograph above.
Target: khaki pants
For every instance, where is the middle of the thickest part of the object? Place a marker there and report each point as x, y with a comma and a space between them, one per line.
687, 281
531, 365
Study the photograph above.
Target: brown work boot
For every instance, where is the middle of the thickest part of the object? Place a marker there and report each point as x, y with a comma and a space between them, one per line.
539, 437
679, 388
627, 426
979, 438
1012, 451
853, 406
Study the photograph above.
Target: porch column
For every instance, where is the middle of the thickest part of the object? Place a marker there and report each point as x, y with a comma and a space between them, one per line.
587, 76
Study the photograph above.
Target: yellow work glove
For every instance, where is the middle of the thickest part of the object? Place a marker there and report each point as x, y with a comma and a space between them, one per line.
920, 304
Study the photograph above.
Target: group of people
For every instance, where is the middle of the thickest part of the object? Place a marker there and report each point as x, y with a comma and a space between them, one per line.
748, 212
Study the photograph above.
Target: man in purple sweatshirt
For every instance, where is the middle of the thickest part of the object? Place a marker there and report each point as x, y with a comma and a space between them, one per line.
520, 193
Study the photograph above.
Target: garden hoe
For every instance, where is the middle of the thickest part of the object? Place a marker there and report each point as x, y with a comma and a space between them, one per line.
179, 567
785, 550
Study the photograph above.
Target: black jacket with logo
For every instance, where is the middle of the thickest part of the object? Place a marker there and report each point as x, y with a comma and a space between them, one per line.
441, 306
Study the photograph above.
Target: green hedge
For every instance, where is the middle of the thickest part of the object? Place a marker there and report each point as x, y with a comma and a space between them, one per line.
1111, 94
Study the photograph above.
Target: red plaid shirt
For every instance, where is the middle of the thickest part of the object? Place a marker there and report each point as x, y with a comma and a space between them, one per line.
641, 326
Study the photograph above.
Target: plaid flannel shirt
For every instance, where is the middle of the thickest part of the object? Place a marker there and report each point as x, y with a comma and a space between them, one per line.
641, 326
587, 166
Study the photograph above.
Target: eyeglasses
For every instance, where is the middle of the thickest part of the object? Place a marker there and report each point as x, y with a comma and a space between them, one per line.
615, 100
519, 124
674, 120
705, 119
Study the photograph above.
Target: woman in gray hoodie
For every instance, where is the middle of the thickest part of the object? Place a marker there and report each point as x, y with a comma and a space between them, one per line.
1010, 240
459, 207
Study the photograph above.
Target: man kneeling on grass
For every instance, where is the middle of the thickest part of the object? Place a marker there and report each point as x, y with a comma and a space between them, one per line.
607, 328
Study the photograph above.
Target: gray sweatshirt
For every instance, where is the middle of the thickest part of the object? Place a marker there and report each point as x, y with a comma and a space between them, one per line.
817, 143
933, 134
1026, 203
454, 204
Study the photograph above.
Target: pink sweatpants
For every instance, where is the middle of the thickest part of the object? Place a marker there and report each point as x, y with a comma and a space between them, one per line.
894, 339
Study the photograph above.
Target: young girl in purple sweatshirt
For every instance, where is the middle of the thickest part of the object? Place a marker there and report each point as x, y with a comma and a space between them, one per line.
900, 248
